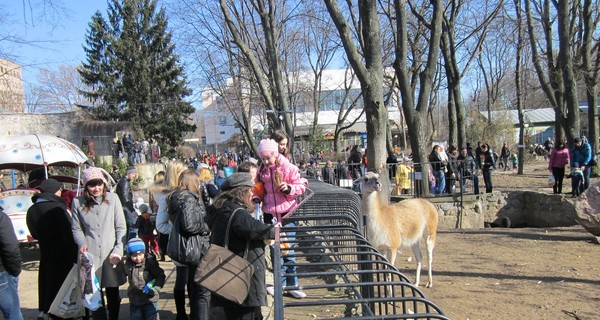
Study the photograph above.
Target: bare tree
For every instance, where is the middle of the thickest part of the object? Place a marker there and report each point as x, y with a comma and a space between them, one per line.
420, 75
555, 73
590, 53
368, 67
58, 90
465, 28
321, 46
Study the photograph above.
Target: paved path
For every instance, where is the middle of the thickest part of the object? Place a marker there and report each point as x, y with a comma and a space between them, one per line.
28, 285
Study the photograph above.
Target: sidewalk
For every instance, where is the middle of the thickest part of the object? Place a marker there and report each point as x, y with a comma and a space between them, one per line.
28, 284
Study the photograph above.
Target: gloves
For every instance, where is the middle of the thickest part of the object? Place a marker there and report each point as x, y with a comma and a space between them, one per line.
153, 292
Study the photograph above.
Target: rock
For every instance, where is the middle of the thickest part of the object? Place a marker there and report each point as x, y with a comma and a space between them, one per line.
588, 209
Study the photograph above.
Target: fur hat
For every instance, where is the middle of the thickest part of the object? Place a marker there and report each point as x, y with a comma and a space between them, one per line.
267, 148
238, 179
93, 173
135, 245
50, 185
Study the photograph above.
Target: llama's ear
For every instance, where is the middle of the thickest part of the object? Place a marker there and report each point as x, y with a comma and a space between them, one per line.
358, 181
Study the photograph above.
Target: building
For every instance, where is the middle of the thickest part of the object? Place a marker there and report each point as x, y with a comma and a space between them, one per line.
12, 97
219, 125
539, 123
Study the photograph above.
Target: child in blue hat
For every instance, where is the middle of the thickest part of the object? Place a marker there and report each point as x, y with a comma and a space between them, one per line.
146, 278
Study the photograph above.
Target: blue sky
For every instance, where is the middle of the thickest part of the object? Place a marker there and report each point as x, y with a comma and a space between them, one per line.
53, 35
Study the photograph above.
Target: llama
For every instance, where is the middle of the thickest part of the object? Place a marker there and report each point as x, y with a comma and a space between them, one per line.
398, 225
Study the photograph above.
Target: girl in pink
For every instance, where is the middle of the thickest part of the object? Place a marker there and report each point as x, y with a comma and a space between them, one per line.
283, 183
559, 158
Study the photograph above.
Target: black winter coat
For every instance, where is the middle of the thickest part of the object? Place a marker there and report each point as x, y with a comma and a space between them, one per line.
139, 275
190, 205
126, 196
243, 228
49, 223
10, 254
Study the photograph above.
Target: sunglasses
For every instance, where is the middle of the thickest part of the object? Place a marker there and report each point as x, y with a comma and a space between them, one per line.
95, 183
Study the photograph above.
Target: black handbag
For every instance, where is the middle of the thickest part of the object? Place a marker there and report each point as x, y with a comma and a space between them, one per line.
185, 249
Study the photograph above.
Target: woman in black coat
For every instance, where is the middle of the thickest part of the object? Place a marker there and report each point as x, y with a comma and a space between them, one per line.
48, 222
236, 194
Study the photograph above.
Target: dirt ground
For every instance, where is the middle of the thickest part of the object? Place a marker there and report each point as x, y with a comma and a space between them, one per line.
527, 273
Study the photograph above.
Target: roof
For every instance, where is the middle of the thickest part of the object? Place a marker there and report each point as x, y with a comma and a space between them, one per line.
534, 116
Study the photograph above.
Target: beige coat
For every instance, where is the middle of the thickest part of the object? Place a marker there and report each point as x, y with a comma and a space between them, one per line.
103, 230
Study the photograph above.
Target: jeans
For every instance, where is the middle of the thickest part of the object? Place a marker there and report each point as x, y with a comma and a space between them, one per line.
487, 179
288, 273
148, 311
440, 181
586, 178
199, 297
475, 179
9, 297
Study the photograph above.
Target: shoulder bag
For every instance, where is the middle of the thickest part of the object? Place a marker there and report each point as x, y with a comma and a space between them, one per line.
184, 249
225, 273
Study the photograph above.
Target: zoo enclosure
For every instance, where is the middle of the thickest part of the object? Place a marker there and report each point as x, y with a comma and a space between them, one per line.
342, 274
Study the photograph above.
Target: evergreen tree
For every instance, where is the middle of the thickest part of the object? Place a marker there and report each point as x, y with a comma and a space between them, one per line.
148, 86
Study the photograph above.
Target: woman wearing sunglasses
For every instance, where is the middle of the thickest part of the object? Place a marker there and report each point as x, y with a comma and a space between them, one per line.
99, 228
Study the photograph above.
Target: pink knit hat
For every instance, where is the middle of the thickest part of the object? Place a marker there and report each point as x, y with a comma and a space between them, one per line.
267, 148
93, 173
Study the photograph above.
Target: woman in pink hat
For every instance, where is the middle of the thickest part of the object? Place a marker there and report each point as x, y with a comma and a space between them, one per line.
99, 228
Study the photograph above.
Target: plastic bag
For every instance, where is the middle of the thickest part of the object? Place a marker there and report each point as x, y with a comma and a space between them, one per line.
92, 298
551, 180
68, 303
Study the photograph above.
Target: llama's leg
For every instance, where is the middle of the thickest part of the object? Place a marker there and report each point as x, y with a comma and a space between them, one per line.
430, 246
416, 248
393, 252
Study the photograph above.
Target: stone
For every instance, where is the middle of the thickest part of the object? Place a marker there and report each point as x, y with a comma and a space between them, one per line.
588, 209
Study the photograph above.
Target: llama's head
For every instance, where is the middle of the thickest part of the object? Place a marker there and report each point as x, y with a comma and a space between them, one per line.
370, 182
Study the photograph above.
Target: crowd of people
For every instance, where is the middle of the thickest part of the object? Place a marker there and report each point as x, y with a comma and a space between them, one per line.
193, 201
126, 238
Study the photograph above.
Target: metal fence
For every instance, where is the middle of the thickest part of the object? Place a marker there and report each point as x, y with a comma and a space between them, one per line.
463, 181
343, 276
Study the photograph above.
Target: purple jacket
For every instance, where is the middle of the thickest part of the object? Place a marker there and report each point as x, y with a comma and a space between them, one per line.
276, 202
558, 158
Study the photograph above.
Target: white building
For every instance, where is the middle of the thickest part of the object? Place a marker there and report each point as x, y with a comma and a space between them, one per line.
219, 125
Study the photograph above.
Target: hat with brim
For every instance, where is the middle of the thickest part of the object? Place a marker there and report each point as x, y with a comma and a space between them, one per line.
238, 179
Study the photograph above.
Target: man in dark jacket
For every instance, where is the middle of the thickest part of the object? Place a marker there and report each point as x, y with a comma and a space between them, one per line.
10, 268
582, 154
328, 173
126, 196
49, 223
487, 165
467, 168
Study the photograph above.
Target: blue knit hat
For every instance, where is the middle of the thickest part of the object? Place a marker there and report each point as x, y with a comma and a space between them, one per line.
135, 245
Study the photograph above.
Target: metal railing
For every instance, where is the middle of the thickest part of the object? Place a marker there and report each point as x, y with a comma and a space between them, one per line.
343, 276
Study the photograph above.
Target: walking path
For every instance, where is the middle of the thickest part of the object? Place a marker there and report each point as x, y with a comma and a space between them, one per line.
28, 285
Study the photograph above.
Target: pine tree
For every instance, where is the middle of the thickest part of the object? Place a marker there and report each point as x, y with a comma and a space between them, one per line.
150, 85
